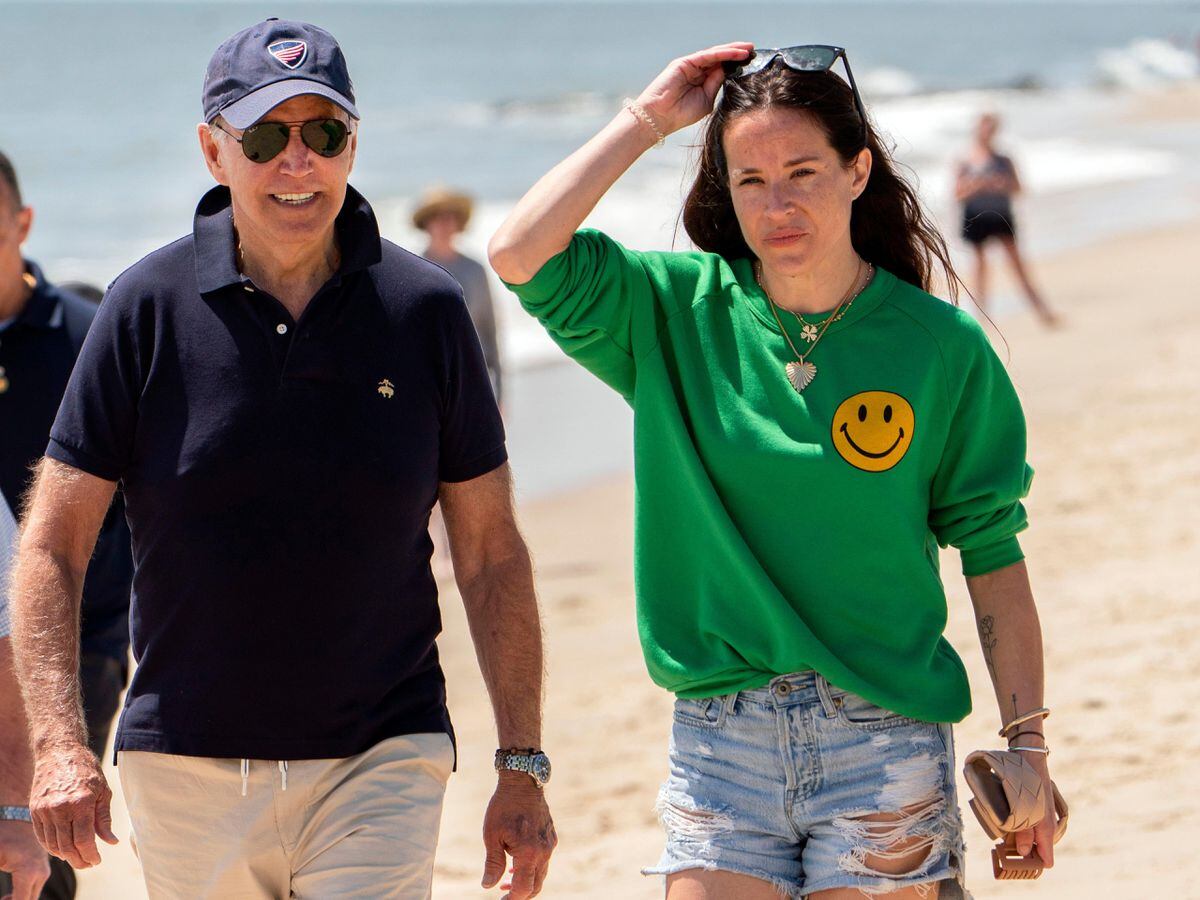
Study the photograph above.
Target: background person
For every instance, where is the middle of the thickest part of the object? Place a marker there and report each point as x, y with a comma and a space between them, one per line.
985, 183
42, 328
282, 395
787, 506
443, 214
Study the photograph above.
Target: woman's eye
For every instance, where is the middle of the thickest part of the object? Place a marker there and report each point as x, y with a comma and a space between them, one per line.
749, 180
802, 172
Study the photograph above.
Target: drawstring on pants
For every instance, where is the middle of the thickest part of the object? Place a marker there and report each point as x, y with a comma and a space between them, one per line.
283, 774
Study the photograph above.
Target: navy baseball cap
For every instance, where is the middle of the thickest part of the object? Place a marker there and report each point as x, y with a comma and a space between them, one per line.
264, 65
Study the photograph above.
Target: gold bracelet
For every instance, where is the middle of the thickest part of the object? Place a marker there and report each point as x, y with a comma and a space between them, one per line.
1043, 713
644, 117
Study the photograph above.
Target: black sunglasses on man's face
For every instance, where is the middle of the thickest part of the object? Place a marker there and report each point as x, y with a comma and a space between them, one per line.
805, 58
264, 141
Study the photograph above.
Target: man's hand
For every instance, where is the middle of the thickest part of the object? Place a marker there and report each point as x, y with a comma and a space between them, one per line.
21, 856
70, 803
518, 824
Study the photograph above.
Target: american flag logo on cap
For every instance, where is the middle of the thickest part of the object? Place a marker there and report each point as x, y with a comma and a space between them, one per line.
290, 53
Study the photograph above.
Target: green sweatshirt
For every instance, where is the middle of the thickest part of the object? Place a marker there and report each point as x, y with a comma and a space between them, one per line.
777, 531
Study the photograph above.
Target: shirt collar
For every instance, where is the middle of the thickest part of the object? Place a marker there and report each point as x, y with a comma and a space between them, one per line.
44, 308
216, 244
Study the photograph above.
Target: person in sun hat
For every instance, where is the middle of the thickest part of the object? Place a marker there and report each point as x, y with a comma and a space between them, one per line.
282, 395
810, 425
443, 214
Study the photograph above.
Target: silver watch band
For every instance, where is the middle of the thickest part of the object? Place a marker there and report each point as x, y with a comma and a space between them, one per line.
515, 762
15, 814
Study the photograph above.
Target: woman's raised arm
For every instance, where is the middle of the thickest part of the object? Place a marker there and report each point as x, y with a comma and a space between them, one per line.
543, 221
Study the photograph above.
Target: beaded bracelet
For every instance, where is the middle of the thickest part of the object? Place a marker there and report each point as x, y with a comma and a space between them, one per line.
644, 117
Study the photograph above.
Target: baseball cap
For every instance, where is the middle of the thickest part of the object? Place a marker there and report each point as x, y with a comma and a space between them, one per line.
262, 66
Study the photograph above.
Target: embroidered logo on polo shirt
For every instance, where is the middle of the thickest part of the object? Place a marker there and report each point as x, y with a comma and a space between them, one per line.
386, 389
291, 53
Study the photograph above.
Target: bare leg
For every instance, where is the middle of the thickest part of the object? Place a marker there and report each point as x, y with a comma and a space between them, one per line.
896, 857
981, 272
1014, 257
919, 892
702, 884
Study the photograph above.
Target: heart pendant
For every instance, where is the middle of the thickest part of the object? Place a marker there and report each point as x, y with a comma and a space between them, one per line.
801, 374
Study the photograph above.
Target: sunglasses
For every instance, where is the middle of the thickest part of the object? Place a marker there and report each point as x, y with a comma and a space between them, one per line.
806, 58
263, 142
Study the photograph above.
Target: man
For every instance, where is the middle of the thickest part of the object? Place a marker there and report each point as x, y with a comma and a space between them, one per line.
41, 330
282, 396
443, 215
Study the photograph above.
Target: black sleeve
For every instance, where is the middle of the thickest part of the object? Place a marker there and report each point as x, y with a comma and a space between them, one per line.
472, 435
97, 419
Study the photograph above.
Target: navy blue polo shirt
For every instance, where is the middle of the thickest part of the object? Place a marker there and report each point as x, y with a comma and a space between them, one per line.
37, 350
279, 477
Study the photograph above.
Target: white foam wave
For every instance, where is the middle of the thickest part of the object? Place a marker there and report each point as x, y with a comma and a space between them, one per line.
1147, 63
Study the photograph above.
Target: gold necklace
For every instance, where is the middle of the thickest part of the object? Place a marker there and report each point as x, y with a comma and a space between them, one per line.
801, 372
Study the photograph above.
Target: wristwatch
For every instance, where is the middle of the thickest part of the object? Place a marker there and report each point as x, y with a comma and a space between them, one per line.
533, 763
15, 814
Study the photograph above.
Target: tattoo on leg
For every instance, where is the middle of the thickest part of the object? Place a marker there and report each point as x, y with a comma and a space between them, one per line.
987, 638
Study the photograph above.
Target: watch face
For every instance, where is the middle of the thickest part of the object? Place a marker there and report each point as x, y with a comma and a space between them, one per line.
539, 768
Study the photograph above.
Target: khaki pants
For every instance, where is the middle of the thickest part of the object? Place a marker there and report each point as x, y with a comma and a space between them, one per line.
364, 826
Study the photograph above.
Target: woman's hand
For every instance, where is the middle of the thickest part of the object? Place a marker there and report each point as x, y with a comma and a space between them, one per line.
1041, 836
686, 90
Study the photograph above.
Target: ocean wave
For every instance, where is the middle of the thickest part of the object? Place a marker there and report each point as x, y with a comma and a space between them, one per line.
1146, 63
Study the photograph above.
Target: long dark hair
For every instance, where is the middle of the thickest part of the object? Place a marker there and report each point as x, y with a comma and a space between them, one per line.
888, 226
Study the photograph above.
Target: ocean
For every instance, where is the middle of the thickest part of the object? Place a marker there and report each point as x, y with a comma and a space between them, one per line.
99, 102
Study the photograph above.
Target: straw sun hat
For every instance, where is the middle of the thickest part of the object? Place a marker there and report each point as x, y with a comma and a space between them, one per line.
439, 200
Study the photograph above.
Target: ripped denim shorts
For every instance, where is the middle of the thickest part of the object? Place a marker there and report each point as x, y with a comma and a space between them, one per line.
776, 783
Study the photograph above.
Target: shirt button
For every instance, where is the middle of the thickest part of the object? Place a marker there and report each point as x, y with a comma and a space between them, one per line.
281, 328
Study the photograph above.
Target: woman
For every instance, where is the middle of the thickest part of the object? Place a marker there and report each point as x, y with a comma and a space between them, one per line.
985, 184
807, 422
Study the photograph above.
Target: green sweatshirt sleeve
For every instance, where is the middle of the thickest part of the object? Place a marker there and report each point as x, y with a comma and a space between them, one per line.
598, 300
982, 476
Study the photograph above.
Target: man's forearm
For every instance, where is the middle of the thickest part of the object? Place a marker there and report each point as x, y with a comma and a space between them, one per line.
16, 762
1011, 637
503, 616
45, 607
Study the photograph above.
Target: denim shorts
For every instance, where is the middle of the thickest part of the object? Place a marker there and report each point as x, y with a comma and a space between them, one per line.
774, 783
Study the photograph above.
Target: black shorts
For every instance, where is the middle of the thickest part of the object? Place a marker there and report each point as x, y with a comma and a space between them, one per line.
978, 227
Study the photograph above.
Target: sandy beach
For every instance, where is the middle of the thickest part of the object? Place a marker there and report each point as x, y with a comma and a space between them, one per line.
1112, 548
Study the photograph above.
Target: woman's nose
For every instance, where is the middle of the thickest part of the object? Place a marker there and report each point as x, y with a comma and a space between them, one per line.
781, 199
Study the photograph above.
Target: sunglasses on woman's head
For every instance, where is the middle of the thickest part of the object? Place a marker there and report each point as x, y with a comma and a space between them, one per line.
805, 58
263, 142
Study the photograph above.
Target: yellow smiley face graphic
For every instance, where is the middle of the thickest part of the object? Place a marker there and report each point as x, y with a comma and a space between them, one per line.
873, 430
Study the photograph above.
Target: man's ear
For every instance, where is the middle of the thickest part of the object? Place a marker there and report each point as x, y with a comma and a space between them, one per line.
24, 223
211, 147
